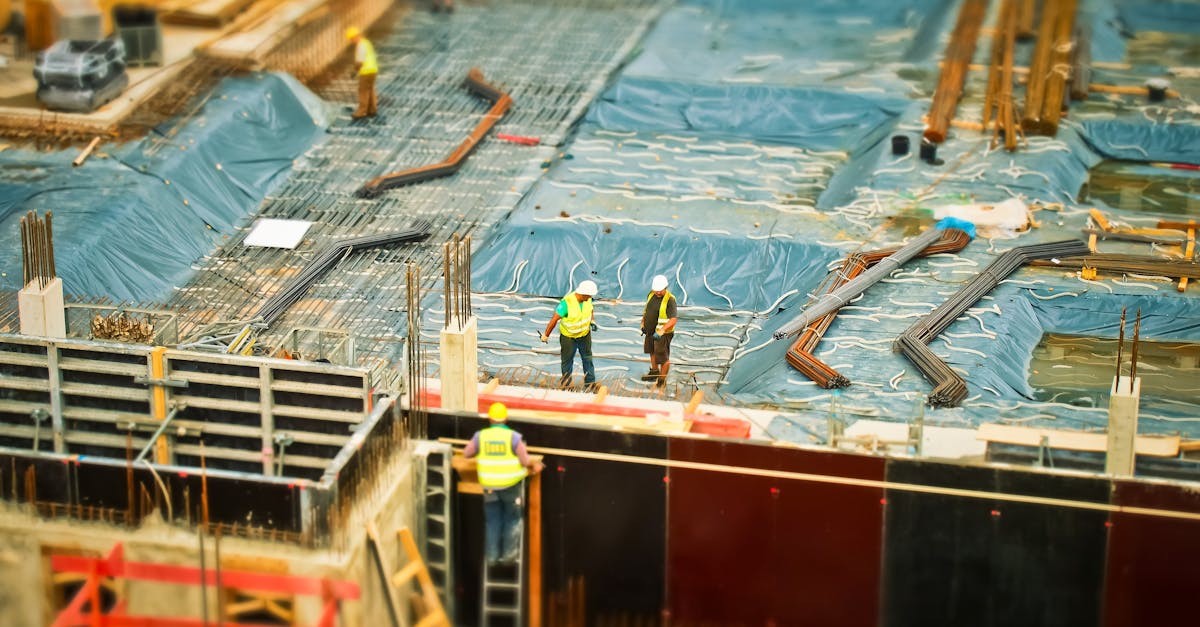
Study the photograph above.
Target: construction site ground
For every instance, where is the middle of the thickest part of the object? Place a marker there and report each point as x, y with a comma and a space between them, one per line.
739, 148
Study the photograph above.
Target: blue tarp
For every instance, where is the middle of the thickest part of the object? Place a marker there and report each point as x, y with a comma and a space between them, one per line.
128, 227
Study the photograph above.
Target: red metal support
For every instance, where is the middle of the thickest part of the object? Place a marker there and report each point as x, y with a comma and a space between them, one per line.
114, 565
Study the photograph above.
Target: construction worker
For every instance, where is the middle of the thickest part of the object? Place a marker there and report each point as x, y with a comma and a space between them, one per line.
575, 325
658, 325
502, 464
367, 68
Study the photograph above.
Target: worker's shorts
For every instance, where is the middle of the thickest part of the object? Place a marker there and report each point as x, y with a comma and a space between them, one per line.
660, 349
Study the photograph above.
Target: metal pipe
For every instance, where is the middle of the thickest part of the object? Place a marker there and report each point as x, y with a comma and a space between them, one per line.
838, 298
157, 433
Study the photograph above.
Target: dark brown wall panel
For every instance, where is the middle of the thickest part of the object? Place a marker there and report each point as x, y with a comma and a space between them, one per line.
1150, 578
752, 550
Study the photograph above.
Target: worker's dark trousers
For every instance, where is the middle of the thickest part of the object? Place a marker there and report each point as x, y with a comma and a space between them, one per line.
502, 513
567, 348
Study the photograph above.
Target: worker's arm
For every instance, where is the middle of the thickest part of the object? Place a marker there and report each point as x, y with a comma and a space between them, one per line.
472, 446
533, 465
559, 312
669, 327
359, 56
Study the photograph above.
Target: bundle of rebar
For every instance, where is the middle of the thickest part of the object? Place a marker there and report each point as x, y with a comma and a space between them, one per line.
998, 98
1131, 264
476, 84
800, 356
37, 249
1045, 95
949, 389
418, 415
838, 298
954, 69
456, 274
326, 259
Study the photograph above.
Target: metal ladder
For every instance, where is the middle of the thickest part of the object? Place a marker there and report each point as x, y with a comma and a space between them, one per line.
503, 600
432, 466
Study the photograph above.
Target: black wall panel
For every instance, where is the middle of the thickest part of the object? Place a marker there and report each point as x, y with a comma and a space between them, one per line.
958, 560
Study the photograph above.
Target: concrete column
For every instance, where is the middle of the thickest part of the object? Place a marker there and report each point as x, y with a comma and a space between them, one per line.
460, 366
41, 309
1122, 425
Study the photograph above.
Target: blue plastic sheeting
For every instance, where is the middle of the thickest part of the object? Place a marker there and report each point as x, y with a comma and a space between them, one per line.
1152, 15
130, 226
815, 119
723, 148
1144, 142
784, 42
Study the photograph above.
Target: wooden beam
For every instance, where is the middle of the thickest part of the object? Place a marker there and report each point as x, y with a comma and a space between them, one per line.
535, 550
1149, 445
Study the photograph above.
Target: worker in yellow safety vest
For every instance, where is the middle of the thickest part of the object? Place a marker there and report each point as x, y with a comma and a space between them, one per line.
658, 325
575, 325
366, 66
502, 462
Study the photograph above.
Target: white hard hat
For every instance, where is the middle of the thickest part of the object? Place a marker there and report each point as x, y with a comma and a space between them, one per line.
587, 288
659, 283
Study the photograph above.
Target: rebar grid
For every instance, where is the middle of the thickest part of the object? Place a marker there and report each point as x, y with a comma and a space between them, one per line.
425, 114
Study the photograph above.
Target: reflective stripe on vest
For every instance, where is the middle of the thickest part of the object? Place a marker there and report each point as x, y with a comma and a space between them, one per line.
578, 320
497, 463
370, 65
662, 310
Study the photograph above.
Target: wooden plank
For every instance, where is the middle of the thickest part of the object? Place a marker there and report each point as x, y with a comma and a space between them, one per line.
1149, 445
27, 384
102, 367
314, 413
319, 389
22, 359
106, 391
86, 152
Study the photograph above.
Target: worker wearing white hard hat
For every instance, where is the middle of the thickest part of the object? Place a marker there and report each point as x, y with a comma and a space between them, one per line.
658, 325
575, 325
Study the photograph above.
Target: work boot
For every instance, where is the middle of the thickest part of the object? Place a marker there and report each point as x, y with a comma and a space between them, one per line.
660, 382
650, 376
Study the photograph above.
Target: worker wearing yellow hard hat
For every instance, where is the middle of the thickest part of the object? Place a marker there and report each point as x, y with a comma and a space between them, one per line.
575, 322
366, 67
502, 462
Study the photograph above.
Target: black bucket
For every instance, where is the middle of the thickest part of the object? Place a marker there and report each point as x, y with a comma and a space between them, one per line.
1156, 89
928, 150
899, 144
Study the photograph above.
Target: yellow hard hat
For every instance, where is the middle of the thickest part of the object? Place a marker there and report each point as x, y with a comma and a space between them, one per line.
498, 412
352, 32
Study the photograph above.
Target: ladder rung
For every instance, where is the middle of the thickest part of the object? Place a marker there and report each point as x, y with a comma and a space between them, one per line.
492, 609
436, 517
501, 584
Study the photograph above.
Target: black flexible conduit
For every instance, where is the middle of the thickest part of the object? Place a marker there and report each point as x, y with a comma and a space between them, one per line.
326, 259
949, 389
476, 85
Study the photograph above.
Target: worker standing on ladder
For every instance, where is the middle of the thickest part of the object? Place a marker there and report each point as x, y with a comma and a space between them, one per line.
367, 68
502, 464
575, 325
658, 325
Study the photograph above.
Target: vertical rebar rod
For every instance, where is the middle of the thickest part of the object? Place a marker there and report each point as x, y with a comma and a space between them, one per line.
1137, 323
1120, 344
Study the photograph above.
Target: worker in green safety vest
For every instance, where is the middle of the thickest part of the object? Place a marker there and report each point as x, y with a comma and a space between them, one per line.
575, 321
502, 462
658, 325
366, 67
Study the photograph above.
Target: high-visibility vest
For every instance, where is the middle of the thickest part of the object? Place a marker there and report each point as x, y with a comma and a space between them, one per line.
662, 310
578, 320
497, 462
370, 65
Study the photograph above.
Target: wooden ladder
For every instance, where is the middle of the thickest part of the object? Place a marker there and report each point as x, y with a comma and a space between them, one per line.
425, 603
